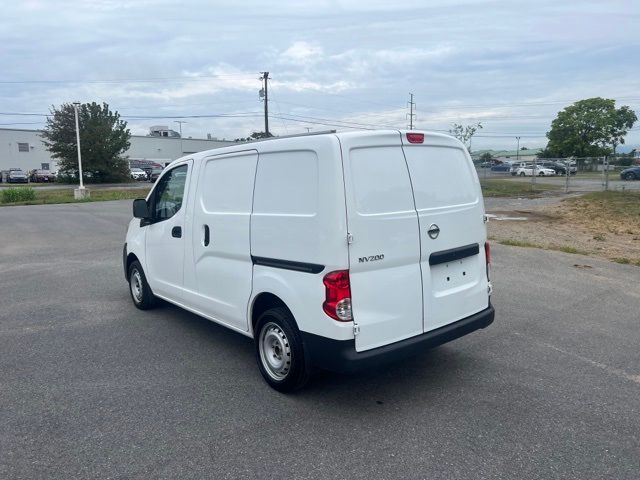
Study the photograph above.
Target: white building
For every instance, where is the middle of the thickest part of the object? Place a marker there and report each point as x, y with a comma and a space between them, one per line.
24, 149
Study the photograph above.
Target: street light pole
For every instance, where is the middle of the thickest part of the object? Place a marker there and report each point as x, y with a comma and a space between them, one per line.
180, 122
75, 109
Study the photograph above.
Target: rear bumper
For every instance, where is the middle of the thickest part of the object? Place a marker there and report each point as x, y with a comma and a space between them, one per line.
341, 355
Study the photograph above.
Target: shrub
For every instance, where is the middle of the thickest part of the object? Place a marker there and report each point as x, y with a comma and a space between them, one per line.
21, 194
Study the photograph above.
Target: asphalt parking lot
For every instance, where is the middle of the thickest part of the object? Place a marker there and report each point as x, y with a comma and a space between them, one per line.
90, 387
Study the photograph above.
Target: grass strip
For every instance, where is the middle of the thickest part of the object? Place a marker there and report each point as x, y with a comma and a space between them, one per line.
510, 188
65, 195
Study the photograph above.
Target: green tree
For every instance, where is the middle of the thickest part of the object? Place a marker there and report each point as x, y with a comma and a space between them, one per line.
103, 140
254, 136
486, 157
465, 133
589, 128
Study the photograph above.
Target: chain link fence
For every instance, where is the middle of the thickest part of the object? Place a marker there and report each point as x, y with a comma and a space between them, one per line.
571, 175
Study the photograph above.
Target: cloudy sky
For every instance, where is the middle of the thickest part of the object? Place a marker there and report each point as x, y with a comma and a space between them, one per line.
334, 63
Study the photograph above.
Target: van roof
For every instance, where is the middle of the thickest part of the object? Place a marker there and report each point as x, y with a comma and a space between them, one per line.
438, 138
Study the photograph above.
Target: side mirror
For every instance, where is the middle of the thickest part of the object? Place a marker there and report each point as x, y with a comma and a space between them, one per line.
141, 208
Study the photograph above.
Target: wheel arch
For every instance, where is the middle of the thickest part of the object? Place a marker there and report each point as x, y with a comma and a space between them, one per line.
131, 257
263, 302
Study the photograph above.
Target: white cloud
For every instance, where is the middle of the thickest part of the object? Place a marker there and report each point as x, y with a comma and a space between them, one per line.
302, 53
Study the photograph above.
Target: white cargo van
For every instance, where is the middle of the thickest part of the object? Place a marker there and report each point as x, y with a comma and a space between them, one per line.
339, 251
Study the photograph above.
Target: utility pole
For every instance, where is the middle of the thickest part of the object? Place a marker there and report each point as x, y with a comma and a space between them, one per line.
180, 122
265, 94
80, 192
411, 115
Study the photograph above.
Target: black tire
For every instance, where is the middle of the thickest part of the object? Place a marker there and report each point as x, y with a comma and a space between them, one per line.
143, 298
630, 176
289, 369
522, 174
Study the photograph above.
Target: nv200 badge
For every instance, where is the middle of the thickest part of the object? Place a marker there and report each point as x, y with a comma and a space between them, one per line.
372, 258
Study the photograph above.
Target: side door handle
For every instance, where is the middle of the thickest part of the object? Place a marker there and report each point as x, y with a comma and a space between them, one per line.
176, 232
206, 235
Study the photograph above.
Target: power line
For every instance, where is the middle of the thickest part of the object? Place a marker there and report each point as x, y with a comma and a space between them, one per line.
341, 123
127, 80
23, 123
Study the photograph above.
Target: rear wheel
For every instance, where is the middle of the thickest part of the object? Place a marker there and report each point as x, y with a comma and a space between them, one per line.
139, 288
522, 174
279, 351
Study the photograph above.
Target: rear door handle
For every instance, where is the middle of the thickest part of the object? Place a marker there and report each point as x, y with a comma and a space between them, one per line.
206, 235
176, 232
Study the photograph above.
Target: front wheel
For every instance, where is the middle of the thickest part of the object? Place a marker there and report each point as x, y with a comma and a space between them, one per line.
629, 176
141, 294
280, 352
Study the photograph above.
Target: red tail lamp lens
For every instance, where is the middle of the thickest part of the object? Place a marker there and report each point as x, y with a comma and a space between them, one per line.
415, 137
337, 302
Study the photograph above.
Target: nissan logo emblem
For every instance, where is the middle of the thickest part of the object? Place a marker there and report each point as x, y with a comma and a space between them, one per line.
433, 231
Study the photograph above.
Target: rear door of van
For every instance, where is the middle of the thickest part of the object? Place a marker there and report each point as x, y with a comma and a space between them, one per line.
415, 219
384, 250
450, 211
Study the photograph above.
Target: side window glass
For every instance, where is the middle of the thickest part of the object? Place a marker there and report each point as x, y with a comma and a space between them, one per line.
169, 193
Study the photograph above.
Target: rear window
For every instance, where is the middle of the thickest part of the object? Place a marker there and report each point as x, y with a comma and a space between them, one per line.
441, 176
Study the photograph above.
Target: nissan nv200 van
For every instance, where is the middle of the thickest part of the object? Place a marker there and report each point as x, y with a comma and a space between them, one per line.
340, 251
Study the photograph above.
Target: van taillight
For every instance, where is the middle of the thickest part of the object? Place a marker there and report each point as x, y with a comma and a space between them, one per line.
337, 303
415, 137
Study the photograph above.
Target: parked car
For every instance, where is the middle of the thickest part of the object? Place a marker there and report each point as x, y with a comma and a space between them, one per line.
515, 166
540, 171
17, 176
504, 167
38, 176
559, 167
632, 173
233, 235
155, 173
138, 174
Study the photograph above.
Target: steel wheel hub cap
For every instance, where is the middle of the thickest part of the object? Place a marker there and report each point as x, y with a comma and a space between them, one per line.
275, 352
136, 285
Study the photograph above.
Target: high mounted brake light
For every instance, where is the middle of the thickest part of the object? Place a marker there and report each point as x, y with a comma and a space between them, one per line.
415, 137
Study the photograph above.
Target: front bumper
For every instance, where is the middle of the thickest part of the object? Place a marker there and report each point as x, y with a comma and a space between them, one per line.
341, 355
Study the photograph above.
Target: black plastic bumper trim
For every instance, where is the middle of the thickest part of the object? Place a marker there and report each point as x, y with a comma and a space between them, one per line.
287, 264
457, 253
341, 355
